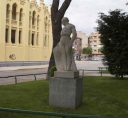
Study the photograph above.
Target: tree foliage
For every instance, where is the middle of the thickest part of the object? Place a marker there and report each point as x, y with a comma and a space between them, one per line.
87, 50
114, 37
100, 49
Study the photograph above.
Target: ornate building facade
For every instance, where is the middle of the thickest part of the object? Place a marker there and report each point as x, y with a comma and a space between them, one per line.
25, 31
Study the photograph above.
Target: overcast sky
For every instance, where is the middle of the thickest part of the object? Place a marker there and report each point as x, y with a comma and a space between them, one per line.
84, 13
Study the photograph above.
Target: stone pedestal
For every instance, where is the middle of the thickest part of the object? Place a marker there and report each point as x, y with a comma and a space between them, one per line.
65, 90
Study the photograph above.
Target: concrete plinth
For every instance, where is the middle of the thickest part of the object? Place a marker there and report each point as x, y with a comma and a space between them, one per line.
66, 74
65, 92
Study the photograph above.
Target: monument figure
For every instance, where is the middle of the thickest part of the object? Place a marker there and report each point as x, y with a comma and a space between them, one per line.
63, 53
65, 88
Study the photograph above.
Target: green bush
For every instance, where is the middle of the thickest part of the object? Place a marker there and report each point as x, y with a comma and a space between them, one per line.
52, 71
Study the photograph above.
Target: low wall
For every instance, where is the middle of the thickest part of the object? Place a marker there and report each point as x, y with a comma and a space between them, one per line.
23, 63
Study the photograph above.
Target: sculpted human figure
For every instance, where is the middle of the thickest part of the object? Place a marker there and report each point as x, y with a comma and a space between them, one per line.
63, 53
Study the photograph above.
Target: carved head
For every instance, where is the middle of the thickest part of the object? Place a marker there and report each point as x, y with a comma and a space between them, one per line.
65, 21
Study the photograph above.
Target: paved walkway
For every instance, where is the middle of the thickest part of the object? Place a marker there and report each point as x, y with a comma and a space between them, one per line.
22, 67
21, 70
26, 70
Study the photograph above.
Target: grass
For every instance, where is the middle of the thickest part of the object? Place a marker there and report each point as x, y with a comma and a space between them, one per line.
102, 96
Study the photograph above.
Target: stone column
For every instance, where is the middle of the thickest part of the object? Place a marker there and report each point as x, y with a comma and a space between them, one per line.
10, 22
30, 37
35, 23
35, 38
30, 21
30, 30
17, 36
48, 34
22, 20
17, 30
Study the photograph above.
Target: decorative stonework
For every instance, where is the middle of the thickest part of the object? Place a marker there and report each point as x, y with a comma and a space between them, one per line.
12, 56
22, 2
16, 32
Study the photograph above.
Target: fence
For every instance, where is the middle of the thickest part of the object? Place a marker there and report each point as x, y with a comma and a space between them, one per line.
15, 76
100, 72
50, 114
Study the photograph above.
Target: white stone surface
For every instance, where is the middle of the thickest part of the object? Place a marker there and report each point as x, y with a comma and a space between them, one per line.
65, 93
66, 74
63, 51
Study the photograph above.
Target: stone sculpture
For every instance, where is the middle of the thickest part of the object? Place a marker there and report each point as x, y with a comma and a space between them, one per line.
63, 53
65, 88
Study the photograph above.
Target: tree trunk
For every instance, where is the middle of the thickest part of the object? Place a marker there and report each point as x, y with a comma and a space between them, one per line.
56, 17
122, 76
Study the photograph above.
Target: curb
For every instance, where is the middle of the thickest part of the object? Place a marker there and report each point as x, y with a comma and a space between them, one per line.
22, 67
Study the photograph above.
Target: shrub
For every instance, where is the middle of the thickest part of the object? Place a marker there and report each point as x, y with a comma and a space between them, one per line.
51, 72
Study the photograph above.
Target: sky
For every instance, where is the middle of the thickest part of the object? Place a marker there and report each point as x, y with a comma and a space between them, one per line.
84, 13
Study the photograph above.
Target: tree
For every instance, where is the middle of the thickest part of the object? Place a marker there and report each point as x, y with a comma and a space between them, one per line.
100, 50
87, 50
114, 37
56, 16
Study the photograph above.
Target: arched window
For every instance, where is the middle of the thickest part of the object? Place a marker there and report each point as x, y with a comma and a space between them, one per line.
20, 36
13, 36
32, 41
7, 10
6, 35
21, 14
14, 7
33, 17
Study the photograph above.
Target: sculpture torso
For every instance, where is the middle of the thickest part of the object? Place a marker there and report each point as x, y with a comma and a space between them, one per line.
66, 30
63, 51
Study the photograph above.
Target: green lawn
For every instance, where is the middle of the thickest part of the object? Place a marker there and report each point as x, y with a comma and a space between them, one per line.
102, 96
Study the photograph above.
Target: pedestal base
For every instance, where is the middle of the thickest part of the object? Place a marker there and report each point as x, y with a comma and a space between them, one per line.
65, 92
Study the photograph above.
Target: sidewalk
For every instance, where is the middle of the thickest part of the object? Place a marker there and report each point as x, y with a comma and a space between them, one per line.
22, 67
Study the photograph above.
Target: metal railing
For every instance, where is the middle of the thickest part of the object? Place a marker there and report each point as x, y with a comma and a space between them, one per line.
100, 71
81, 71
15, 76
50, 114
